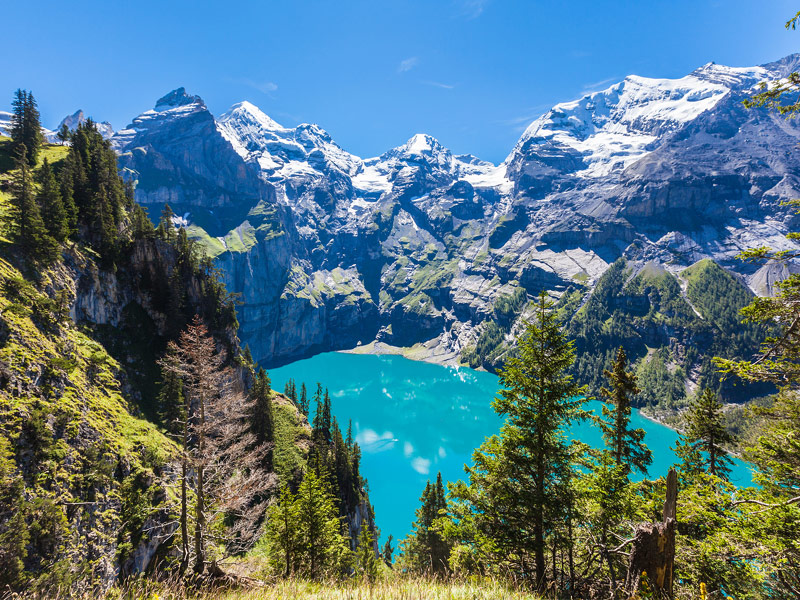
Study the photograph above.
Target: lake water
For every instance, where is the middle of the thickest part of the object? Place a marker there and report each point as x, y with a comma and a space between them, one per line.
413, 419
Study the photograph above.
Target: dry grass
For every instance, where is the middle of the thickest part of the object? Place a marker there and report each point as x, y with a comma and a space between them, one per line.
394, 587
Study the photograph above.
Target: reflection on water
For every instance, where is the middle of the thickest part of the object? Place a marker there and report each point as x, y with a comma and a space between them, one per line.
413, 419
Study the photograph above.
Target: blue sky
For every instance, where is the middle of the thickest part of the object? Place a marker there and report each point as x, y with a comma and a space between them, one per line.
472, 73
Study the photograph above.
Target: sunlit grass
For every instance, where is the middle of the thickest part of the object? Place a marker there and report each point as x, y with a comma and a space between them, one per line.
393, 587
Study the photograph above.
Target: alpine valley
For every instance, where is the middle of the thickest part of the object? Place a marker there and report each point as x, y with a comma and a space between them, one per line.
629, 204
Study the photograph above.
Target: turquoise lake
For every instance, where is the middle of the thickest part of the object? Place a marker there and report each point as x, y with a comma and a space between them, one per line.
413, 419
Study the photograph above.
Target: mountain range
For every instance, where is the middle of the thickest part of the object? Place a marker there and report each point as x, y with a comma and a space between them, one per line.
415, 247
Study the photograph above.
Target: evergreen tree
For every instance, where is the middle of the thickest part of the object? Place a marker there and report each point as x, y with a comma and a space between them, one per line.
282, 535
141, 227
366, 561
706, 432
425, 550
388, 550
65, 189
261, 418
63, 134
521, 474
321, 543
626, 445
690, 461
349, 439
26, 130
166, 228
247, 356
171, 400
303, 406
30, 232
53, 211
293, 392
325, 421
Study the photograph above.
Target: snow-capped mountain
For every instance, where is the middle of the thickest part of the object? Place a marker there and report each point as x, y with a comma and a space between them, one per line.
78, 118
72, 121
607, 131
329, 249
5, 127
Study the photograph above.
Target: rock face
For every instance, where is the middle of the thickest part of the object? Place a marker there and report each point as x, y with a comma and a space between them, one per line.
329, 250
78, 118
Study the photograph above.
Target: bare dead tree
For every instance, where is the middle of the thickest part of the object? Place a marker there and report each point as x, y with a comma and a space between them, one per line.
220, 460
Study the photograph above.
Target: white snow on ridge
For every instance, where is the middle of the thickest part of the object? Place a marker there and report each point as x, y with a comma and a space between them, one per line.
617, 126
5, 123
281, 151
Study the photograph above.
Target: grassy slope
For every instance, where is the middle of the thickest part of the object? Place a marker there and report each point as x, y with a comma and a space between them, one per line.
91, 392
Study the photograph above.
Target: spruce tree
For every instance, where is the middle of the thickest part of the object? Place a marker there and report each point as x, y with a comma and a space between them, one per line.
326, 417
626, 445
425, 550
706, 432
261, 418
65, 189
141, 227
283, 534
366, 561
26, 130
171, 401
63, 134
388, 550
166, 228
54, 214
30, 232
322, 545
520, 475
303, 405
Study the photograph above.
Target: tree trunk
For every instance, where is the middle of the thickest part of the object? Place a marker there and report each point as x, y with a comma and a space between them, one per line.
184, 523
653, 549
200, 559
184, 507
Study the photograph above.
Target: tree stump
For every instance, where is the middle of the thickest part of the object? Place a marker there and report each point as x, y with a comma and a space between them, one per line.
653, 549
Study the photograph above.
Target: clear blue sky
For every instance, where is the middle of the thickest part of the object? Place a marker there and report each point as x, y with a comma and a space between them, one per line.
473, 73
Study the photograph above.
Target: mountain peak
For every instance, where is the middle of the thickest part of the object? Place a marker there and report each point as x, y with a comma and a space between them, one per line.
252, 111
177, 97
79, 118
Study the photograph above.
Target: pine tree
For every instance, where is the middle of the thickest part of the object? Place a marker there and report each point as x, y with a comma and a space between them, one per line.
349, 439
283, 534
65, 189
166, 228
706, 432
52, 207
425, 550
321, 542
63, 134
366, 561
303, 405
171, 401
30, 232
141, 227
247, 356
626, 445
261, 418
521, 474
26, 130
388, 550
325, 421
